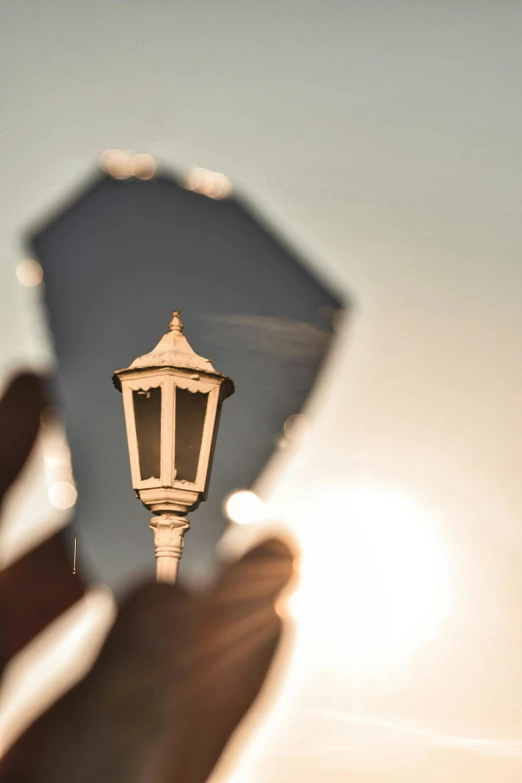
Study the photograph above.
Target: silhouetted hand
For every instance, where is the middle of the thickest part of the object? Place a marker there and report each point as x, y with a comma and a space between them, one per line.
177, 672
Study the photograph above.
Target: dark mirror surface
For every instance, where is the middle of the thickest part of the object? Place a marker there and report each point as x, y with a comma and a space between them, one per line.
147, 416
191, 409
117, 259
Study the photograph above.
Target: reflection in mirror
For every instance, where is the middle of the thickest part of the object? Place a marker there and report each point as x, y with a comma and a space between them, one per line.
191, 408
147, 415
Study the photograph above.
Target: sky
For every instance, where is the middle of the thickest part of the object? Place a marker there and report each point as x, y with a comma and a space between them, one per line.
383, 141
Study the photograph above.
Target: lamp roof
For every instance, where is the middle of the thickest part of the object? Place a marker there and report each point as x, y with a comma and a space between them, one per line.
173, 350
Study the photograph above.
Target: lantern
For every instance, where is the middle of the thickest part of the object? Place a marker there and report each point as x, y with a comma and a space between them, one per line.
172, 401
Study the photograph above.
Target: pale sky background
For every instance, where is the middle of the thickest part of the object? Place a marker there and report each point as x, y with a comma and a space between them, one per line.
384, 140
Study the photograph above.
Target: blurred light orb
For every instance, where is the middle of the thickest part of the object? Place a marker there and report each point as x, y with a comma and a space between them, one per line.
210, 183
122, 164
297, 428
143, 166
105, 157
245, 507
117, 163
374, 577
29, 273
62, 495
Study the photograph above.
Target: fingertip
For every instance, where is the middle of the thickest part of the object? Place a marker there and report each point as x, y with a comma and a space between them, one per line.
275, 553
20, 411
262, 573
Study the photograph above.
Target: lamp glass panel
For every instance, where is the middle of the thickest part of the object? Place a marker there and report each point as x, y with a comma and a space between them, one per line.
147, 416
191, 409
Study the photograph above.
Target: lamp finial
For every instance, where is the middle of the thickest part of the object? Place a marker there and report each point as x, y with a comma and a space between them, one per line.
176, 324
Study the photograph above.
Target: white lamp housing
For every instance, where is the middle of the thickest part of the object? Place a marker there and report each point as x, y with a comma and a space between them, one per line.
172, 402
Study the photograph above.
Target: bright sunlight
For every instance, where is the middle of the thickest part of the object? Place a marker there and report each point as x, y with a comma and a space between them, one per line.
374, 578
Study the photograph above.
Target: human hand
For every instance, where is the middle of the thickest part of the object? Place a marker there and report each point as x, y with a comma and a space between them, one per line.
177, 672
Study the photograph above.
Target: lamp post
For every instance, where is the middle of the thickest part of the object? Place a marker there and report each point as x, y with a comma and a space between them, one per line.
172, 402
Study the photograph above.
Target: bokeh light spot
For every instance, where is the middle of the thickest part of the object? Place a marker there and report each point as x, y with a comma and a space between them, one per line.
297, 428
210, 183
29, 273
143, 166
245, 507
117, 163
62, 495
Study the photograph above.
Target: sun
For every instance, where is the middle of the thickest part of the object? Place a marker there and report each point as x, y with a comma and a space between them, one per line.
374, 577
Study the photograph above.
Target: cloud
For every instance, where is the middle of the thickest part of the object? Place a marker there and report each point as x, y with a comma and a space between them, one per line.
283, 337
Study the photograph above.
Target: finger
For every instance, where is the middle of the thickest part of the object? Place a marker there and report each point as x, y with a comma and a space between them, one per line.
227, 688
34, 591
110, 726
39, 586
261, 574
238, 635
239, 613
20, 411
240, 606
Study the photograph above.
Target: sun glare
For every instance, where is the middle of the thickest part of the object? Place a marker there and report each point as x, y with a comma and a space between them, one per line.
374, 577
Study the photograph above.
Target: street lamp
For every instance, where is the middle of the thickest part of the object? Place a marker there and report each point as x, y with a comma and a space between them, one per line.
172, 401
